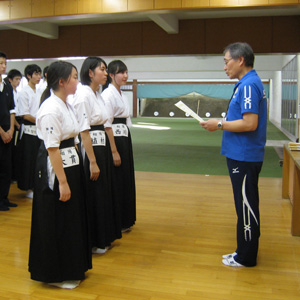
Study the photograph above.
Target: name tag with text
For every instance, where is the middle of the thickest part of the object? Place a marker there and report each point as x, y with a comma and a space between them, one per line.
69, 157
98, 137
30, 129
120, 130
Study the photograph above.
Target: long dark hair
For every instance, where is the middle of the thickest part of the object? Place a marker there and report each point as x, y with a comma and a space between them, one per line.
57, 70
114, 67
90, 63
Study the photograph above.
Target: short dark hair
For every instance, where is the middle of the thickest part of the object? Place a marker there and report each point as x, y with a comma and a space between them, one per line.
2, 54
45, 71
14, 73
90, 63
30, 69
244, 50
114, 67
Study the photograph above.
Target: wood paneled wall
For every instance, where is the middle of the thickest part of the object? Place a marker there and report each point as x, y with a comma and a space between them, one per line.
4, 10
20, 9
209, 36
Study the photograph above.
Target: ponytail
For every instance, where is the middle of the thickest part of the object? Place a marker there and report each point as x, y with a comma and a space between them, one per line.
46, 94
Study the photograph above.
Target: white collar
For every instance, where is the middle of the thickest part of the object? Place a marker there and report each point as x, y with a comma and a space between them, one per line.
1, 86
115, 90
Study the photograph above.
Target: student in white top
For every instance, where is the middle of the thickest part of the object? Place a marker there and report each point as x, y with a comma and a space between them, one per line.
14, 77
43, 83
119, 136
28, 105
59, 246
91, 113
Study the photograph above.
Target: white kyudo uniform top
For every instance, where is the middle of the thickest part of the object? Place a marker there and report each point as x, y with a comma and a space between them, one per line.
90, 108
116, 105
16, 96
28, 101
41, 87
56, 121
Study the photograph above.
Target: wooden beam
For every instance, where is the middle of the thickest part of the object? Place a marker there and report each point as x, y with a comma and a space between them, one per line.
42, 29
167, 22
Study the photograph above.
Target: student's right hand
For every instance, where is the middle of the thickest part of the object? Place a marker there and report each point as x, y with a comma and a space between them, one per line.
116, 159
64, 192
6, 137
94, 170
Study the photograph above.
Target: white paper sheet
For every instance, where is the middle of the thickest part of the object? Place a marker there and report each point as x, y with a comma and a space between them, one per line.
186, 109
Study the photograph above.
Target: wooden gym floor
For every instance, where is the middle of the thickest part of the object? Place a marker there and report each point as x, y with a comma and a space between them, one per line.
184, 224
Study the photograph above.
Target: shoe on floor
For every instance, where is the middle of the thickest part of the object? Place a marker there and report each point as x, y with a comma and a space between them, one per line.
126, 230
68, 284
231, 262
7, 203
29, 194
3, 207
229, 255
96, 250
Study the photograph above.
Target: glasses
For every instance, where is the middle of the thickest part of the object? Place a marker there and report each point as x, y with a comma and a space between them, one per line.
226, 61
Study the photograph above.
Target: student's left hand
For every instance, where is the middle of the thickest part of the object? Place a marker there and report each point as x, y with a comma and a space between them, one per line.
11, 132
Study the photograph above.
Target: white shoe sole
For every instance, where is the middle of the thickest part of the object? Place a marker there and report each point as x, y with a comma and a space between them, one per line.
68, 284
96, 250
231, 263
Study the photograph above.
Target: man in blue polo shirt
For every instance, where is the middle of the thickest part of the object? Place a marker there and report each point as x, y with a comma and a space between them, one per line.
244, 138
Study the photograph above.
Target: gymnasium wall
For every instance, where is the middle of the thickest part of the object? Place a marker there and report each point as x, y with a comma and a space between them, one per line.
279, 34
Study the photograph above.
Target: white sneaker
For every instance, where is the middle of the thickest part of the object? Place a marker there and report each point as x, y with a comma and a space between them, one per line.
96, 250
231, 262
227, 256
68, 284
29, 194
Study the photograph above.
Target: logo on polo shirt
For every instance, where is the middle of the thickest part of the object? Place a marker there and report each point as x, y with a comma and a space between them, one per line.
247, 99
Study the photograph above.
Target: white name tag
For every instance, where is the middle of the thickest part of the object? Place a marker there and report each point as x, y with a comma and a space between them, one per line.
69, 157
120, 130
29, 129
98, 137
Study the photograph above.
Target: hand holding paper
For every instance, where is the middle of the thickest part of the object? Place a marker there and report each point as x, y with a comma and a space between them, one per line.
186, 109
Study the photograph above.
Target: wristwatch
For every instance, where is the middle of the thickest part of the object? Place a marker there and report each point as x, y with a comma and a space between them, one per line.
220, 125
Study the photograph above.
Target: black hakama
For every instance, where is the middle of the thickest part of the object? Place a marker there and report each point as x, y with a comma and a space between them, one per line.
104, 210
125, 178
60, 246
26, 154
14, 151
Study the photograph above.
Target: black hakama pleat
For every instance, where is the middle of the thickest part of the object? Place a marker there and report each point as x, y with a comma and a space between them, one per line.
26, 154
104, 211
14, 151
60, 245
125, 178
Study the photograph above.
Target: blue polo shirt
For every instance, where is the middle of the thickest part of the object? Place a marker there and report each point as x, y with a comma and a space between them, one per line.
249, 97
